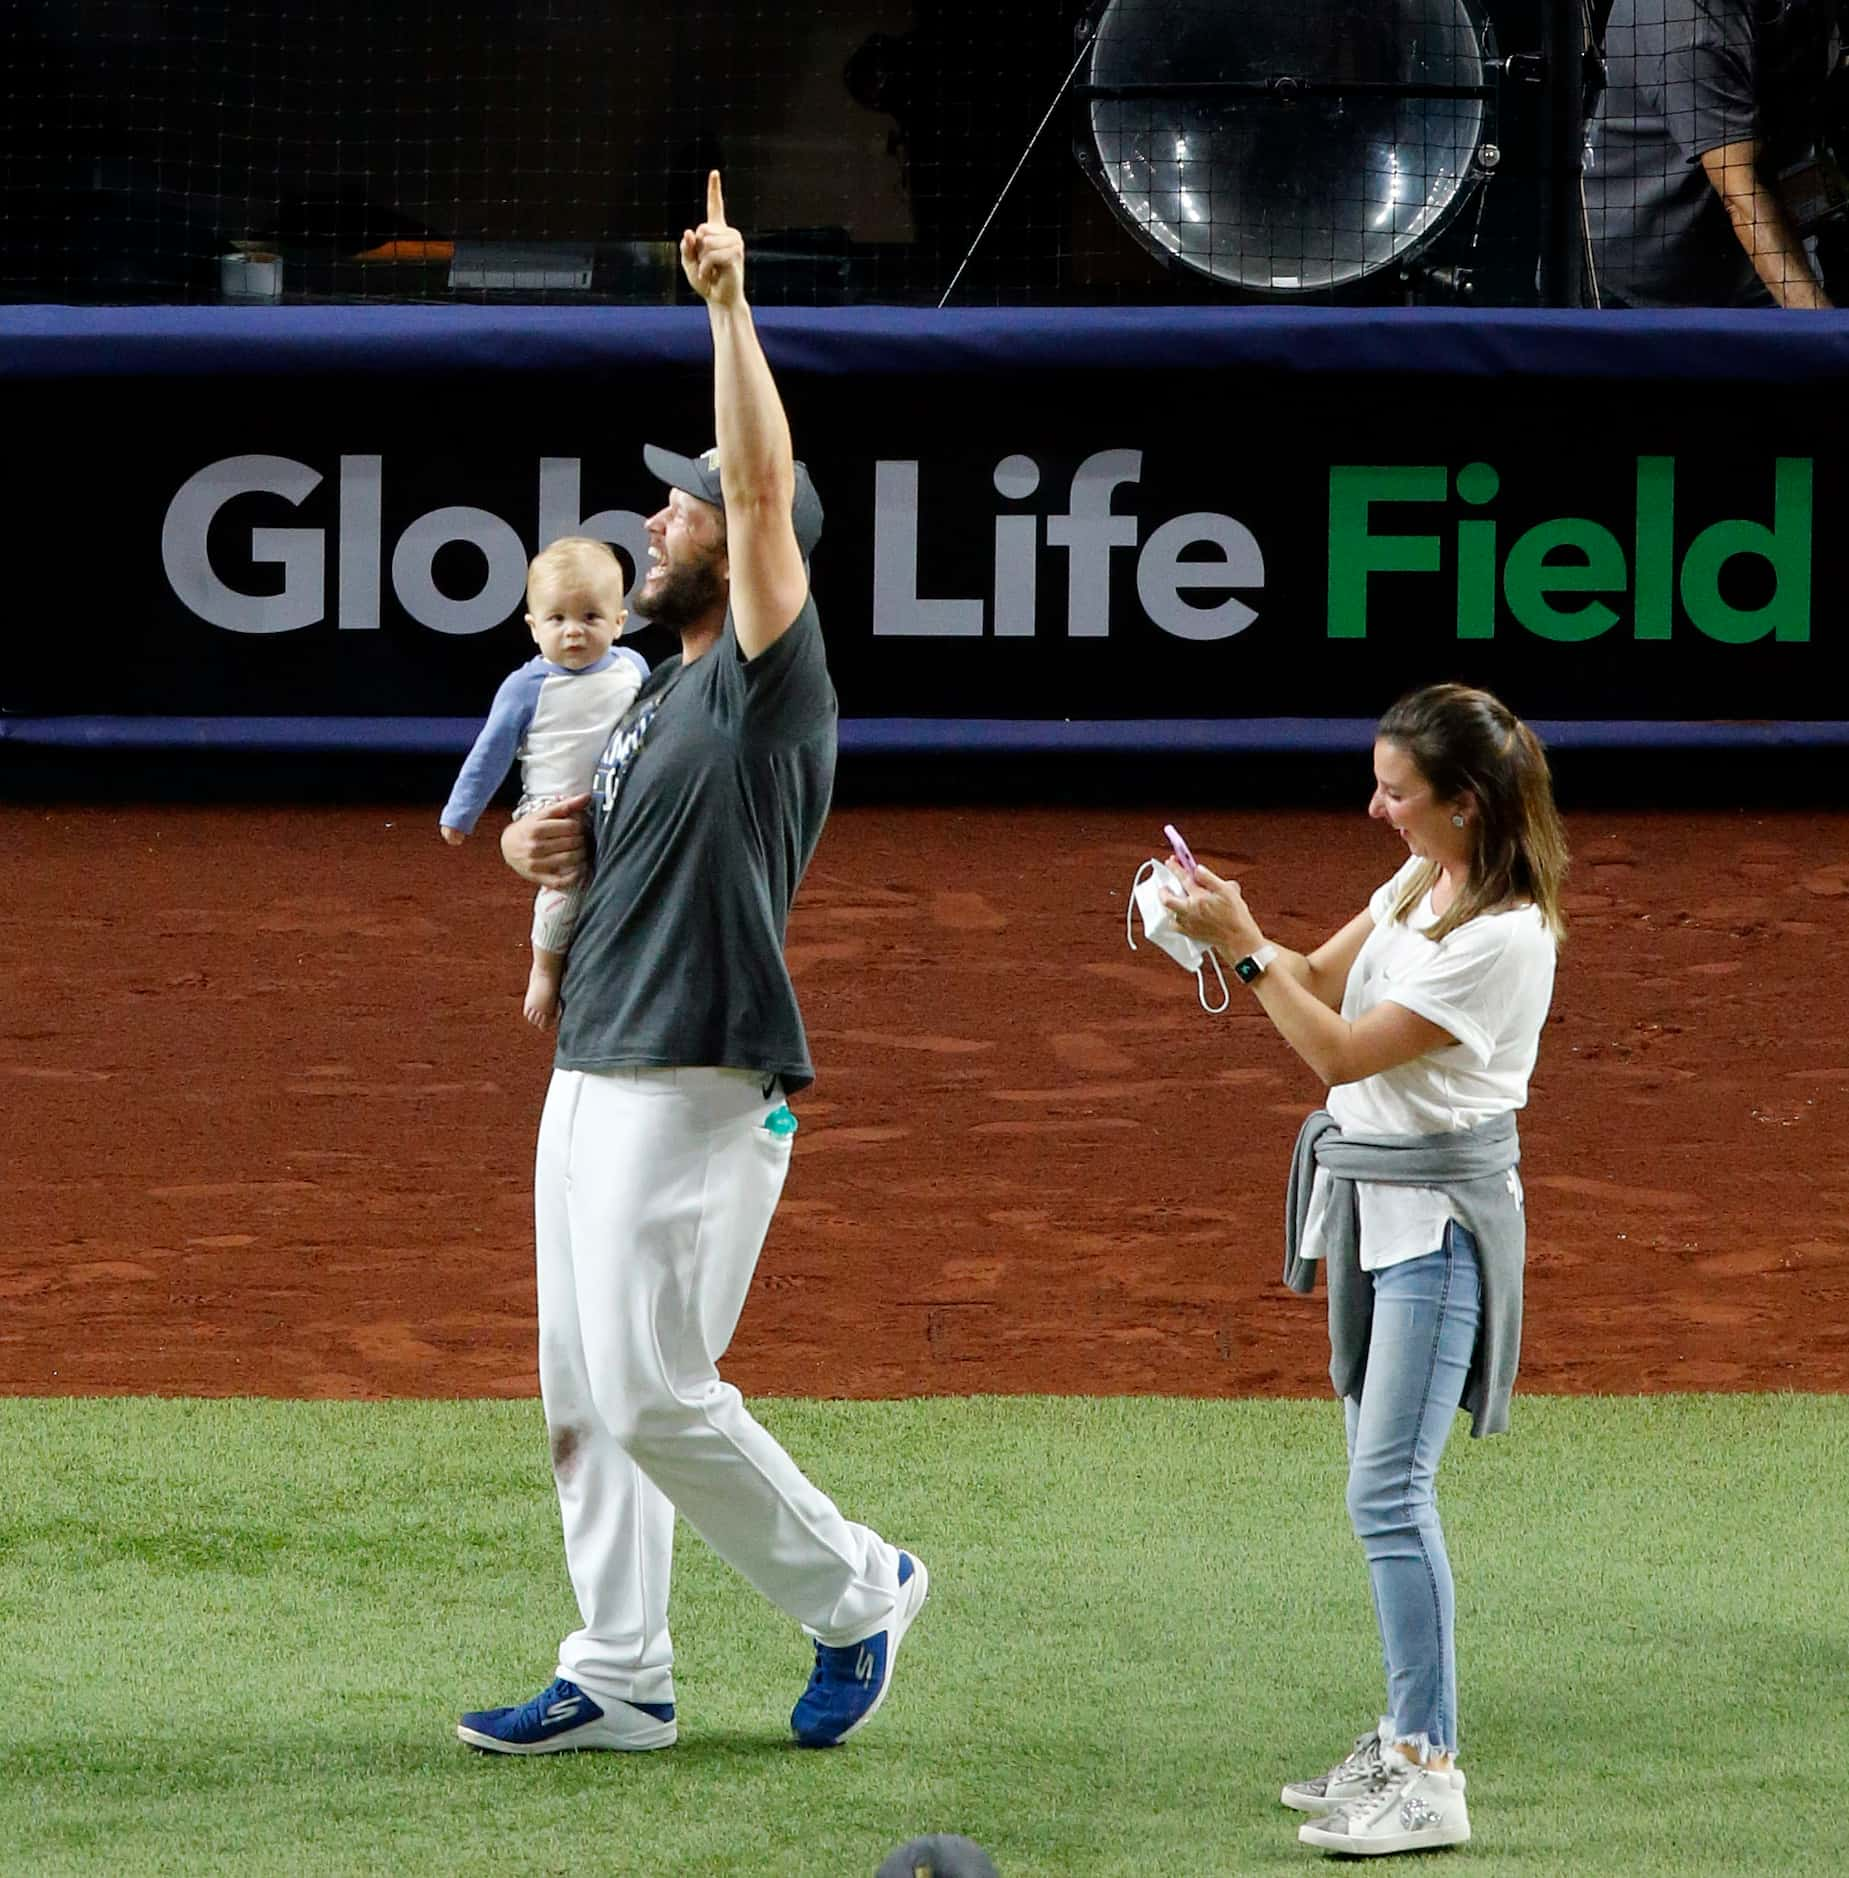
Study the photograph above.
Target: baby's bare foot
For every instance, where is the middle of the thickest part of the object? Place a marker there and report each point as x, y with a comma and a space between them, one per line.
542, 994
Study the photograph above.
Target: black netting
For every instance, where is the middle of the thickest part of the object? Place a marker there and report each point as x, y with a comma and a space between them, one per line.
1119, 151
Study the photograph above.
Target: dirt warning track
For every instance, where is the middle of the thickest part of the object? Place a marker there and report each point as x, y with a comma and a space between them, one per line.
269, 1108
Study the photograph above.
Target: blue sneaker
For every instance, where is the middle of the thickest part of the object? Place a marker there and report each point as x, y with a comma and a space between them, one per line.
851, 1679
561, 1719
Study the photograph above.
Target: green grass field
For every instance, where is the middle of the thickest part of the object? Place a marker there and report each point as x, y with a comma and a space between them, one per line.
236, 1634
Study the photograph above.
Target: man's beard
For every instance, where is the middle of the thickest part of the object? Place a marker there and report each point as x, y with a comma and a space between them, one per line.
685, 594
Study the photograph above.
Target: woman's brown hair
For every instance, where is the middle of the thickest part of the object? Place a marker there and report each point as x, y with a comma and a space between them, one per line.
1468, 743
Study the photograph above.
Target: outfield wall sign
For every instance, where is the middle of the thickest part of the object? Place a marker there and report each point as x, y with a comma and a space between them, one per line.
1135, 579
1557, 578
1570, 578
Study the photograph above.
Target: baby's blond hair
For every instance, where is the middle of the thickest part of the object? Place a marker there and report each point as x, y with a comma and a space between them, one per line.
575, 554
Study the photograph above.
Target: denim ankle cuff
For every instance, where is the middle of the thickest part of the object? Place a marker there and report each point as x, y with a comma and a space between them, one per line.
1422, 1747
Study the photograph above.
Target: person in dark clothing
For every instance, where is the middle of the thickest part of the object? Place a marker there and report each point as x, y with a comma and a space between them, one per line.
666, 1137
1708, 104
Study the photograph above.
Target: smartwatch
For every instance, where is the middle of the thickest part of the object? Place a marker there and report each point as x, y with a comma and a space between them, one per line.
1249, 967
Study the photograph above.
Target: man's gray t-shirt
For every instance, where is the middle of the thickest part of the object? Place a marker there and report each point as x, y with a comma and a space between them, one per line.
1684, 77
710, 798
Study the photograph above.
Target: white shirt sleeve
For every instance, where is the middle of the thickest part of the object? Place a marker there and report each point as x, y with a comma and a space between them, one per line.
1459, 984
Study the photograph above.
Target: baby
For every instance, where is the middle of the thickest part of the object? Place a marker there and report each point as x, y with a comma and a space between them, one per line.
554, 714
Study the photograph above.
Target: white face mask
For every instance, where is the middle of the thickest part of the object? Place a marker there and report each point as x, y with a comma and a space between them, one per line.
1159, 929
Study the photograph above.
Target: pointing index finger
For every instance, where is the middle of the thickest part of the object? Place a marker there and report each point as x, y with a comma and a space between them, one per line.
715, 200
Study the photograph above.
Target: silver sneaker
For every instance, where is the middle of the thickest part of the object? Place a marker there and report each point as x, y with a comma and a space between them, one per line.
1347, 1780
1410, 1809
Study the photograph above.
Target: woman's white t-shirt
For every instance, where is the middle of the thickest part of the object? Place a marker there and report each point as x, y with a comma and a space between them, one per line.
1488, 983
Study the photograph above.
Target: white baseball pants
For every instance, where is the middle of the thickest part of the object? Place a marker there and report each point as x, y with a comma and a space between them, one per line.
654, 1189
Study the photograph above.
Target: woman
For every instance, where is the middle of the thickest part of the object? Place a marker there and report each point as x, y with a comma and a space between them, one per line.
1423, 1015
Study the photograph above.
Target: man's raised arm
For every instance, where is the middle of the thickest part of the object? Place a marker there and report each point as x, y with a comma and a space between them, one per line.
769, 580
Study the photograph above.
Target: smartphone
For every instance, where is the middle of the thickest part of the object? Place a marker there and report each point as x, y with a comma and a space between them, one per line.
1182, 854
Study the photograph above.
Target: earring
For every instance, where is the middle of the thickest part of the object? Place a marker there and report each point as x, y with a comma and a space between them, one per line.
1457, 821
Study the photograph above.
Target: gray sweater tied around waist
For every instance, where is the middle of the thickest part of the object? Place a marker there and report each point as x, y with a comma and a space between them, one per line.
1472, 1166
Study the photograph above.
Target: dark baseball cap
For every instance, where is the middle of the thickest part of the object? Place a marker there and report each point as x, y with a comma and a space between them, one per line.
938, 1855
699, 476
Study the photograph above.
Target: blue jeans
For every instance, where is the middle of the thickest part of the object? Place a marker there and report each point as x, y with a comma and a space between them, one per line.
1426, 1313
